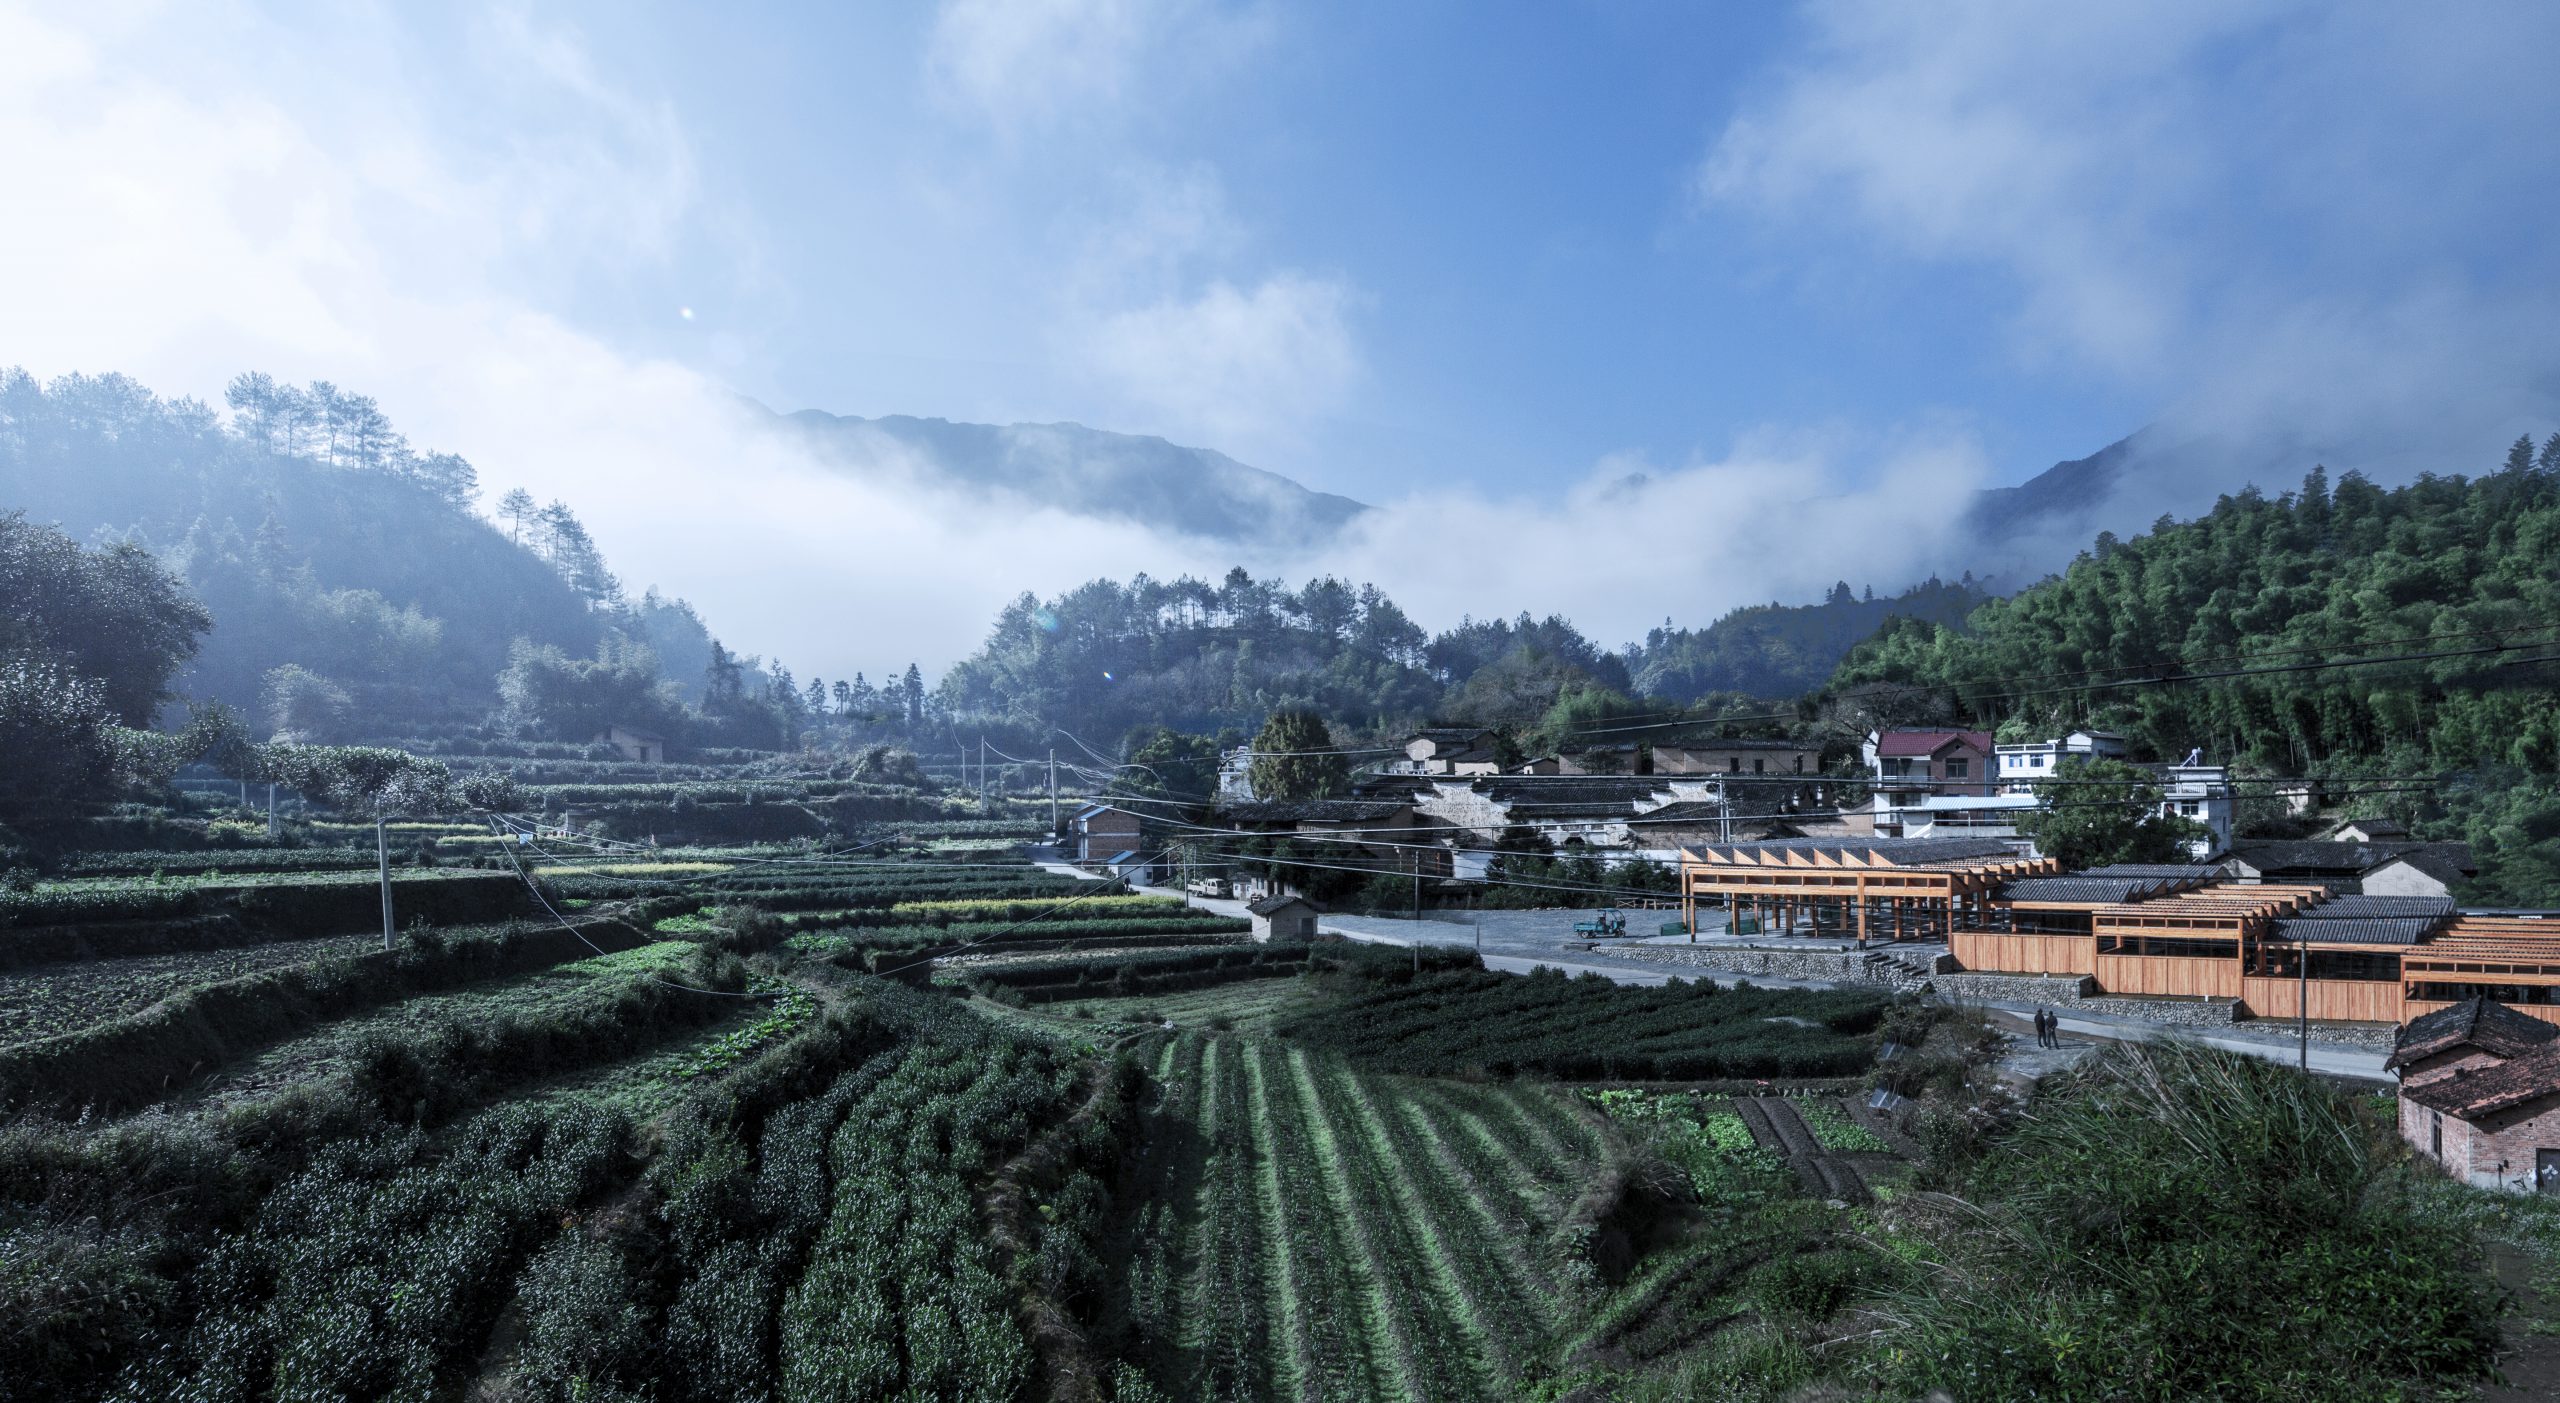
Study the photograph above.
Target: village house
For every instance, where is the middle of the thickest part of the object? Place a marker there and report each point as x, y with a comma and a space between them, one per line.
1283, 918
1449, 750
1938, 783
2021, 765
2370, 830
1383, 834
2393, 868
2480, 1095
647, 747
1624, 757
1603, 815
1098, 834
1736, 756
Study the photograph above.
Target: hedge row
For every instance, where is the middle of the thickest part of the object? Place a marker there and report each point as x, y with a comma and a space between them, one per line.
1584, 1028
135, 1060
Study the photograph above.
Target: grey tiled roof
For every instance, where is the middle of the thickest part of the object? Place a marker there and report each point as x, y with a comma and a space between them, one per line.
2352, 908
2368, 930
2476, 1022
1903, 851
2198, 871
2095, 891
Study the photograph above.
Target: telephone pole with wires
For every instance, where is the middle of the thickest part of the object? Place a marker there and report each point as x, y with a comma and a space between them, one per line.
1053, 789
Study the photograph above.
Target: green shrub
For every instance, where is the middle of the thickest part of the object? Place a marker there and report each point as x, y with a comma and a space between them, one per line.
2175, 1222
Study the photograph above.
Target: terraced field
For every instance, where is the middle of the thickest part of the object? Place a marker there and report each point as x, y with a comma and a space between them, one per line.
747, 1151
1310, 1231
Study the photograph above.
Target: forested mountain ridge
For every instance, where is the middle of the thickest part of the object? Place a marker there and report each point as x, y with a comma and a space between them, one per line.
1091, 472
1786, 650
2457, 579
317, 538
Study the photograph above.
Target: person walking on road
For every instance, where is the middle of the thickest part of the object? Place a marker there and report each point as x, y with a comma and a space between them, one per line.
2044, 1028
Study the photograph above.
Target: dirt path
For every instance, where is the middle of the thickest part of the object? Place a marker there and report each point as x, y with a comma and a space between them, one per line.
2528, 1357
1777, 1126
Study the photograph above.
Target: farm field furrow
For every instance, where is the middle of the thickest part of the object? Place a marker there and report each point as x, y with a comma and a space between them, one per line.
1467, 1320
45, 1000
1325, 1357
1381, 1271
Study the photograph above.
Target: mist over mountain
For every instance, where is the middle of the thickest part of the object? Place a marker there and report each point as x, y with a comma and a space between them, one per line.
1197, 492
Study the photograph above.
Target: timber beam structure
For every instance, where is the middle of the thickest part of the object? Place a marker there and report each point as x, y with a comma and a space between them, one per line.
1882, 888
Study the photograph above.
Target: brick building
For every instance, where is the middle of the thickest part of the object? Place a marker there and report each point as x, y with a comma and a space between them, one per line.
2480, 1094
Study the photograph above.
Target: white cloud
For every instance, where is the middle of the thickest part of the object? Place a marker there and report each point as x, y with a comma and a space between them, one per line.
181, 231
1021, 64
1781, 516
2293, 225
1232, 365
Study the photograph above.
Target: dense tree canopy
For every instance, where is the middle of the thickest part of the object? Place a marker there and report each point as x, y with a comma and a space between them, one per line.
1783, 650
115, 617
1294, 758
2225, 634
2102, 811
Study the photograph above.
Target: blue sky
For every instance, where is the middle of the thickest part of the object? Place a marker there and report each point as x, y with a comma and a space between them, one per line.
1506, 196
1829, 265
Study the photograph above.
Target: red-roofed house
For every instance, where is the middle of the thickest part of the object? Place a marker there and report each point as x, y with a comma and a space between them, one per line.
1938, 783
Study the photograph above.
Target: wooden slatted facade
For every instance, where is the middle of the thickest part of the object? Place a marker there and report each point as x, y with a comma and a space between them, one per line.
2515, 961
2187, 938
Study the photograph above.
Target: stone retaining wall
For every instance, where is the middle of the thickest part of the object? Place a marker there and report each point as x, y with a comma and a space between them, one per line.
1766, 964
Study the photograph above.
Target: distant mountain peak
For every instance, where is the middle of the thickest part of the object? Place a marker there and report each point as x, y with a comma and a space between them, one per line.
1138, 478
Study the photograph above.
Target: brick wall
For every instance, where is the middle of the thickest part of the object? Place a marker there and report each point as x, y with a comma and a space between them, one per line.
2496, 1152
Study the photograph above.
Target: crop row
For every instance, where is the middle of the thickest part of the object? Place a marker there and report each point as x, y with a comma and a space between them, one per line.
1591, 1028
1424, 1338
133, 1060
901, 1295
1322, 1297
58, 921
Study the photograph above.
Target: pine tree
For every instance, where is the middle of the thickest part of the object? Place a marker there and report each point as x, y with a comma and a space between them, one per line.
912, 686
2520, 455
517, 510
843, 697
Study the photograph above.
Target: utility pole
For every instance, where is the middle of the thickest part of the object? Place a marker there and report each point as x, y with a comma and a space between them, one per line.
982, 776
2302, 971
382, 860
271, 810
1724, 812
1053, 789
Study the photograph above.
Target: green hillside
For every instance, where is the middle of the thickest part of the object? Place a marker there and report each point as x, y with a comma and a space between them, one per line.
2397, 644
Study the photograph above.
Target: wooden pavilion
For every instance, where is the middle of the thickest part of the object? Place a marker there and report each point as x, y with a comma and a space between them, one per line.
1876, 888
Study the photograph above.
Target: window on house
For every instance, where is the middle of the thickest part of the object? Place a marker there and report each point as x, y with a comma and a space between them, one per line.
1799, 764
1759, 766
2435, 1134
1733, 764
1959, 769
